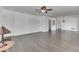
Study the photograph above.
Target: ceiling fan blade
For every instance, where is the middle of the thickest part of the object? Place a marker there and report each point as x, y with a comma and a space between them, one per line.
45, 11
49, 10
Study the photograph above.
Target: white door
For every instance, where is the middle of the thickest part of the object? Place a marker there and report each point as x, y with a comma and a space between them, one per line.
53, 24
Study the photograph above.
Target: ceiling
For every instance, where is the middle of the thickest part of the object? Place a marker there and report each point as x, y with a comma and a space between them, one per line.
57, 10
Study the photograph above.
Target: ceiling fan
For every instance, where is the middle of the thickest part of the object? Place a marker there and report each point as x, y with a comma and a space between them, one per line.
44, 9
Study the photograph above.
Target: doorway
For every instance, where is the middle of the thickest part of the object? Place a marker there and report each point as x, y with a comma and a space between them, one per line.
55, 24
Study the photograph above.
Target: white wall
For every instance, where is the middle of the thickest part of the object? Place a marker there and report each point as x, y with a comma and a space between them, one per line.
0, 26
58, 22
0, 16
26, 24
70, 22
78, 21
43, 23
20, 23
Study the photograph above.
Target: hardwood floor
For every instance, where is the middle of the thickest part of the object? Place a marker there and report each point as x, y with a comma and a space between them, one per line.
60, 41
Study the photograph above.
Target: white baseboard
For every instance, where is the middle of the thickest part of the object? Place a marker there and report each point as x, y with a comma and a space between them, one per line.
17, 34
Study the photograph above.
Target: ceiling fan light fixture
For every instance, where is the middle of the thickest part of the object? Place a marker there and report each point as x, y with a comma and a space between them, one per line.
43, 11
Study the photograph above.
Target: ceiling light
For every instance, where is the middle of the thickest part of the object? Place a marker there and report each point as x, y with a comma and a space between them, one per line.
43, 10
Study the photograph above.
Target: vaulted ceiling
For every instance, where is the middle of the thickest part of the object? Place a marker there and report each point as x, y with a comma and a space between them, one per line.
57, 10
